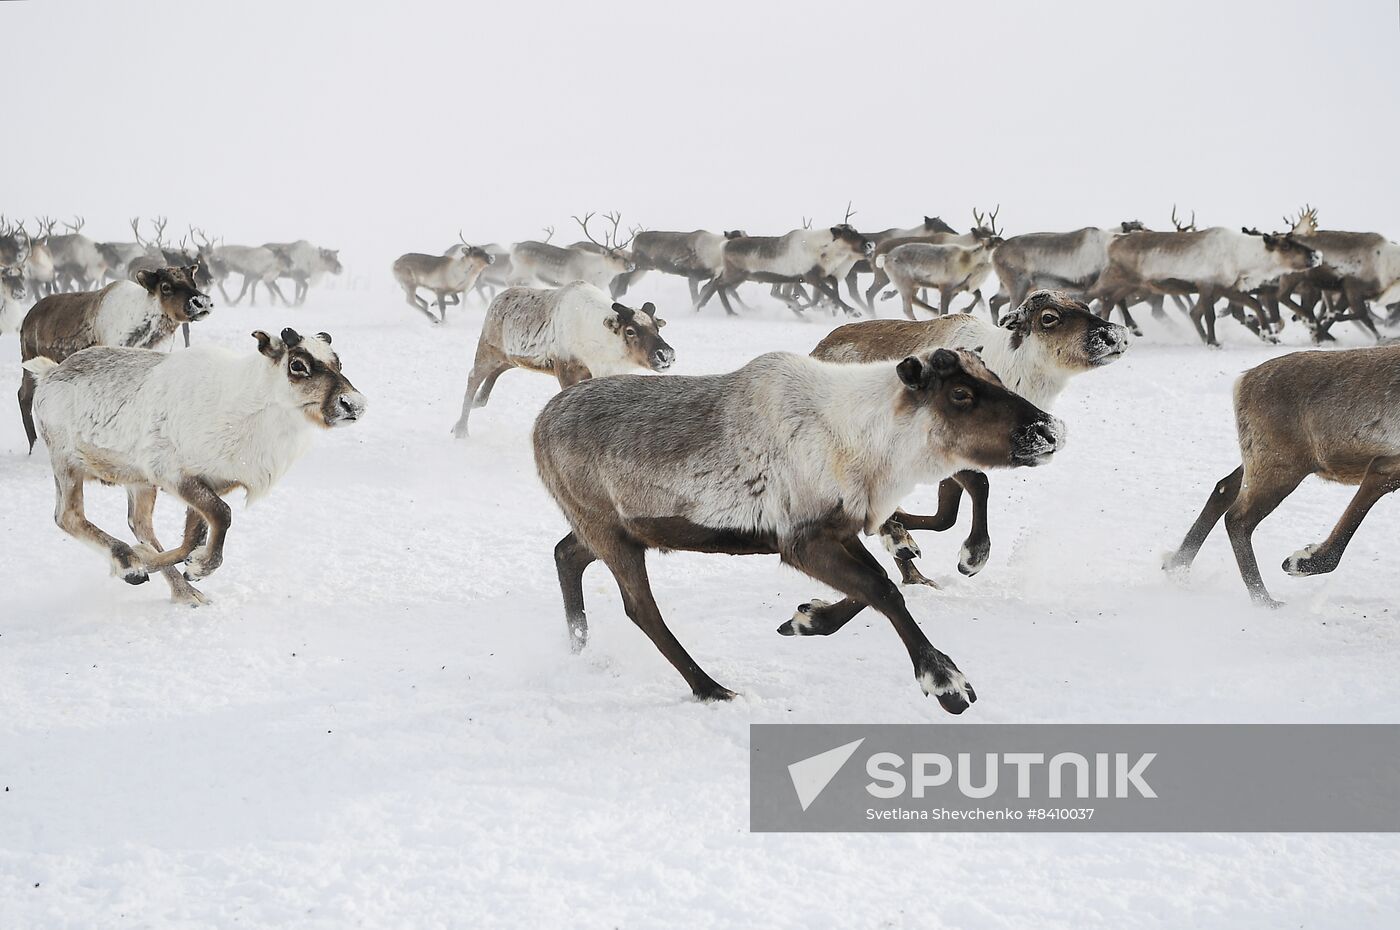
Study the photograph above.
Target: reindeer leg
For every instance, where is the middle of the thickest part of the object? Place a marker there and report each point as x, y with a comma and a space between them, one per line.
418, 303
1261, 493
489, 364
140, 513
626, 559
27, 386
1382, 477
571, 557
830, 561
1361, 307
820, 618
68, 514
1221, 498
694, 284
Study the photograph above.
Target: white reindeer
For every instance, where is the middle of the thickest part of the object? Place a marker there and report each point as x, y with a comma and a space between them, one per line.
195, 424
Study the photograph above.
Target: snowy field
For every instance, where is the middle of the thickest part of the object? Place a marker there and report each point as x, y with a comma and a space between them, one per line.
379, 724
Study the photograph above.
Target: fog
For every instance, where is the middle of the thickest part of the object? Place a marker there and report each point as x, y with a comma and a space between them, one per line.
385, 127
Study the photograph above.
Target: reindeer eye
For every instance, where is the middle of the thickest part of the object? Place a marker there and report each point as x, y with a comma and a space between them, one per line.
631, 332
962, 396
165, 288
298, 367
1049, 319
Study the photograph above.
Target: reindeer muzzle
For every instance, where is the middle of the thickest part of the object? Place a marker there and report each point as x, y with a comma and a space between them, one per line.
349, 407
1035, 444
198, 307
1106, 344
663, 359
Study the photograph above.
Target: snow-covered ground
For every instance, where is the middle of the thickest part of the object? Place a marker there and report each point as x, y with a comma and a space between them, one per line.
379, 724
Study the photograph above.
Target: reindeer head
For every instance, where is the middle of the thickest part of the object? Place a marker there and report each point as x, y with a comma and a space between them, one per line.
1290, 253
639, 331
474, 254
610, 247
735, 234
972, 417
311, 377
860, 244
1128, 226
180, 298
12, 282
985, 229
330, 261
1055, 324
935, 224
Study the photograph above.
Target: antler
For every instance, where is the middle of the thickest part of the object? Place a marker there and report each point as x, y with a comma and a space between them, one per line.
204, 242
1183, 227
159, 223
548, 233
588, 235
806, 222
846, 221
136, 231
616, 220
75, 227
46, 224
987, 222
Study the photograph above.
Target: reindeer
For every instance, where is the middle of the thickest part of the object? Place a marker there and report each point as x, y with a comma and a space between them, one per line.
40, 275
950, 268
1211, 263
574, 333
78, 263
140, 314
788, 456
12, 297
969, 240
1069, 262
257, 265
1331, 414
697, 256
118, 256
535, 264
450, 275
1035, 350
1356, 268
194, 424
496, 275
816, 257
931, 226
305, 264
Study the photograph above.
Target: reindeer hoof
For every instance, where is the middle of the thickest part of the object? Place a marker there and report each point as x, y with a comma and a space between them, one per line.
973, 558
1301, 564
938, 676
899, 543
191, 598
714, 693
803, 619
135, 576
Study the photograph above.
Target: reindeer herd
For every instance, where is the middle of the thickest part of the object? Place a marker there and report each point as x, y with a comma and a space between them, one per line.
790, 455
1320, 277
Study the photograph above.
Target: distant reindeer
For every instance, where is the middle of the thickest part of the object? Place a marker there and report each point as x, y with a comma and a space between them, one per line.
257, 265
119, 255
78, 263
575, 332
1356, 269
305, 264
539, 264
697, 256
950, 268
818, 258
1070, 262
1211, 263
40, 275
12, 297
495, 276
447, 276
931, 226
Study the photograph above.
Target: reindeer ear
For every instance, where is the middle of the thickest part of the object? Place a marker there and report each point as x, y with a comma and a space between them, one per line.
291, 337
147, 279
649, 309
912, 373
266, 346
324, 337
659, 322
193, 269
623, 317
943, 362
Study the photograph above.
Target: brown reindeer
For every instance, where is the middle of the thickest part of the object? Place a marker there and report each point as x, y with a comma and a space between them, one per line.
789, 456
1331, 414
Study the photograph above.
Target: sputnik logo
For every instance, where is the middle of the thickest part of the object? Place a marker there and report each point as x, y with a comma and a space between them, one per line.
810, 776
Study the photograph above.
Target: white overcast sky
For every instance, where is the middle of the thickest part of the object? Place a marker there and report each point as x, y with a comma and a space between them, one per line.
382, 127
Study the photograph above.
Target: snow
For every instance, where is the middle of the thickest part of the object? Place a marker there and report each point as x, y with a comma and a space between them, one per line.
378, 723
